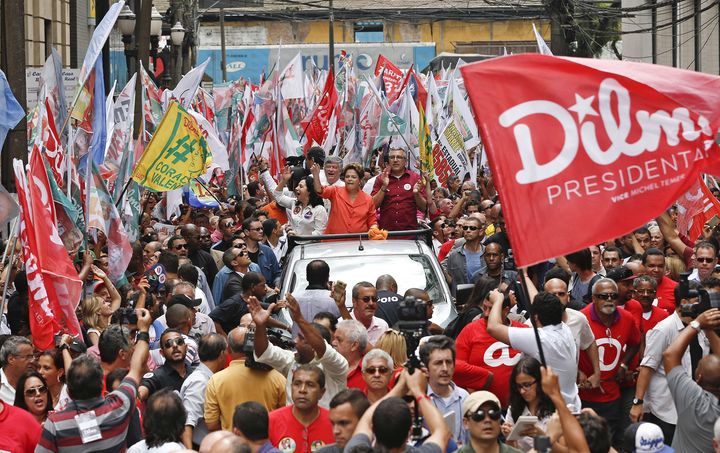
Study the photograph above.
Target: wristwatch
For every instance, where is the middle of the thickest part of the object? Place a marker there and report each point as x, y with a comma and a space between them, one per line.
637, 401
695, 325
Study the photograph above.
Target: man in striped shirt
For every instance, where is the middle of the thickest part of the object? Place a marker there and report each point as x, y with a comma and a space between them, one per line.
91, 422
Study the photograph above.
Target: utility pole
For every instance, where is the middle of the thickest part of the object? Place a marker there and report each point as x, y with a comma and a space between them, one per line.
331, 38
142, 34
223, 59
12, 41
560, 25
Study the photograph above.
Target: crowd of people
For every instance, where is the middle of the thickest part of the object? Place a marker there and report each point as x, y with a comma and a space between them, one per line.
610, 348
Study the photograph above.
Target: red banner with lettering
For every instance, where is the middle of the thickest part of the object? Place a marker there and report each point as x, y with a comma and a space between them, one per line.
585, 150
392, 77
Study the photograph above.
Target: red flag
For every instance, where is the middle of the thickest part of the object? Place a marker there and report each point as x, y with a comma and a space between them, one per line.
695, 208
54, 285
392, 77
317, 129
584, 151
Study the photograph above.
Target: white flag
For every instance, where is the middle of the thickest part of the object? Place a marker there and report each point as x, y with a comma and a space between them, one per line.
292, 79
542, 45
100, 35
185, 90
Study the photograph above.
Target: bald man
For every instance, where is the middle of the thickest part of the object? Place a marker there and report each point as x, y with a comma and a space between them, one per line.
211, 439
696, 401
258, 384
578, 323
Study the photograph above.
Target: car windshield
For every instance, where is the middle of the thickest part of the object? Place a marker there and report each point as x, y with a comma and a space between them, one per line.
409, 271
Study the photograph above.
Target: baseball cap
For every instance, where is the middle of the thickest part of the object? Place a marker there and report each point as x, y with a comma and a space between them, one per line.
477, 399
183, 300
621, 274
644, 437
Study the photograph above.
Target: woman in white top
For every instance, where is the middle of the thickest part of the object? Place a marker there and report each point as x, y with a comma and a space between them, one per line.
306, 212
527, 398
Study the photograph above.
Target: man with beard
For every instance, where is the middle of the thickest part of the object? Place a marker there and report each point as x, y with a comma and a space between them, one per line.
618, 339
304, 426
205, 239
312, 346
173, 372
611, 257
645, 288
507, 280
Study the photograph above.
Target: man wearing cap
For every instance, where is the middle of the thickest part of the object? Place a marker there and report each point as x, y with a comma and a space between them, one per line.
645, 437
624, 277
398, 194
482, 420
183, 293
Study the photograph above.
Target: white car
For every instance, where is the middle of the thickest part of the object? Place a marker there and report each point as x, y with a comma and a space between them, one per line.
411, 262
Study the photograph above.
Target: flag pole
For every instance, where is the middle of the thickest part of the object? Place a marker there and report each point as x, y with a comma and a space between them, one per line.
122, 192
392, 120
199, 181
10, 264
526, 293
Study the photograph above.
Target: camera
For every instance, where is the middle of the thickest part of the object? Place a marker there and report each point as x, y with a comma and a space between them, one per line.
706, 300
412, 315
249, 351
125, 315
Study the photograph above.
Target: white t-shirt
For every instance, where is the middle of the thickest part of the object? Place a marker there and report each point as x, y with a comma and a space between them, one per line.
561, 354
141, 447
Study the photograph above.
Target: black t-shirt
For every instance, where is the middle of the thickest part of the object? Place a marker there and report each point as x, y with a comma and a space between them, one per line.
228, 314
387, 306
165, 376
254, 255
206, 263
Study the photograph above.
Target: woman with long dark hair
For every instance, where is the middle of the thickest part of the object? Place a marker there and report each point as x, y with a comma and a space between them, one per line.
52, 367
32, 395
527, 398
306, 212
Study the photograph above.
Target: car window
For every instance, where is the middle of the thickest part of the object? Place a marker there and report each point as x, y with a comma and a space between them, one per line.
410, 271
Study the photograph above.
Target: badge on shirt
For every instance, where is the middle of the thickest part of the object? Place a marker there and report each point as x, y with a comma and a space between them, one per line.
287, 445
317, 445
88, 427
297, 209
407, 187
308, 215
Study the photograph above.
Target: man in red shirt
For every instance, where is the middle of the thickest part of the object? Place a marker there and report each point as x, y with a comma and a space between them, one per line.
19, 431
645, 289
624, 278
482, 362
304, 426
618, 339
654, 262
396, 195
351, 340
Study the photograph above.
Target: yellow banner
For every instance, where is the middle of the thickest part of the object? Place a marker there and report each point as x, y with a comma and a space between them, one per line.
175, 155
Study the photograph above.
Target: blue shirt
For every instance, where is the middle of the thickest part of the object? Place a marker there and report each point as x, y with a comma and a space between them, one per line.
474, 262
269, 266
222, 277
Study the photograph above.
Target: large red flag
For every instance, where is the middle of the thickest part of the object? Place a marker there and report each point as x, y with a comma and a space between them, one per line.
317, 130
695, 208
586, 150
54, 286
392, 77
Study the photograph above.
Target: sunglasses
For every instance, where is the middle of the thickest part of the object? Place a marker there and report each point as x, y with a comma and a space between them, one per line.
470, 227
481, 414
36, 391
373, 370
240, 245
181, 246
560, 293
179, 341
607, 296
367, 299
705, 260
229, 225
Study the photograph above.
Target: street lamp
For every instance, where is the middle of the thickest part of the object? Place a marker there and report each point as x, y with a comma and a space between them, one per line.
177, 34
155, 32
126, 25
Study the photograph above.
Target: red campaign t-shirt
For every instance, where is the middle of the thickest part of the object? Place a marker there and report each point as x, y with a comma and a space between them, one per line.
355, 378
666, 294
612, 343
19, 431
635, 309
657, 315
477, 347
290, 436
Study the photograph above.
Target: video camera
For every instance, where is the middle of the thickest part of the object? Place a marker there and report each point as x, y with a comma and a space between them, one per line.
706, 300
249, 351
412, 315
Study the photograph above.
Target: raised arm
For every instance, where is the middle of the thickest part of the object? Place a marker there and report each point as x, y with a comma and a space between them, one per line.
671, 236
571, 429
312, 336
